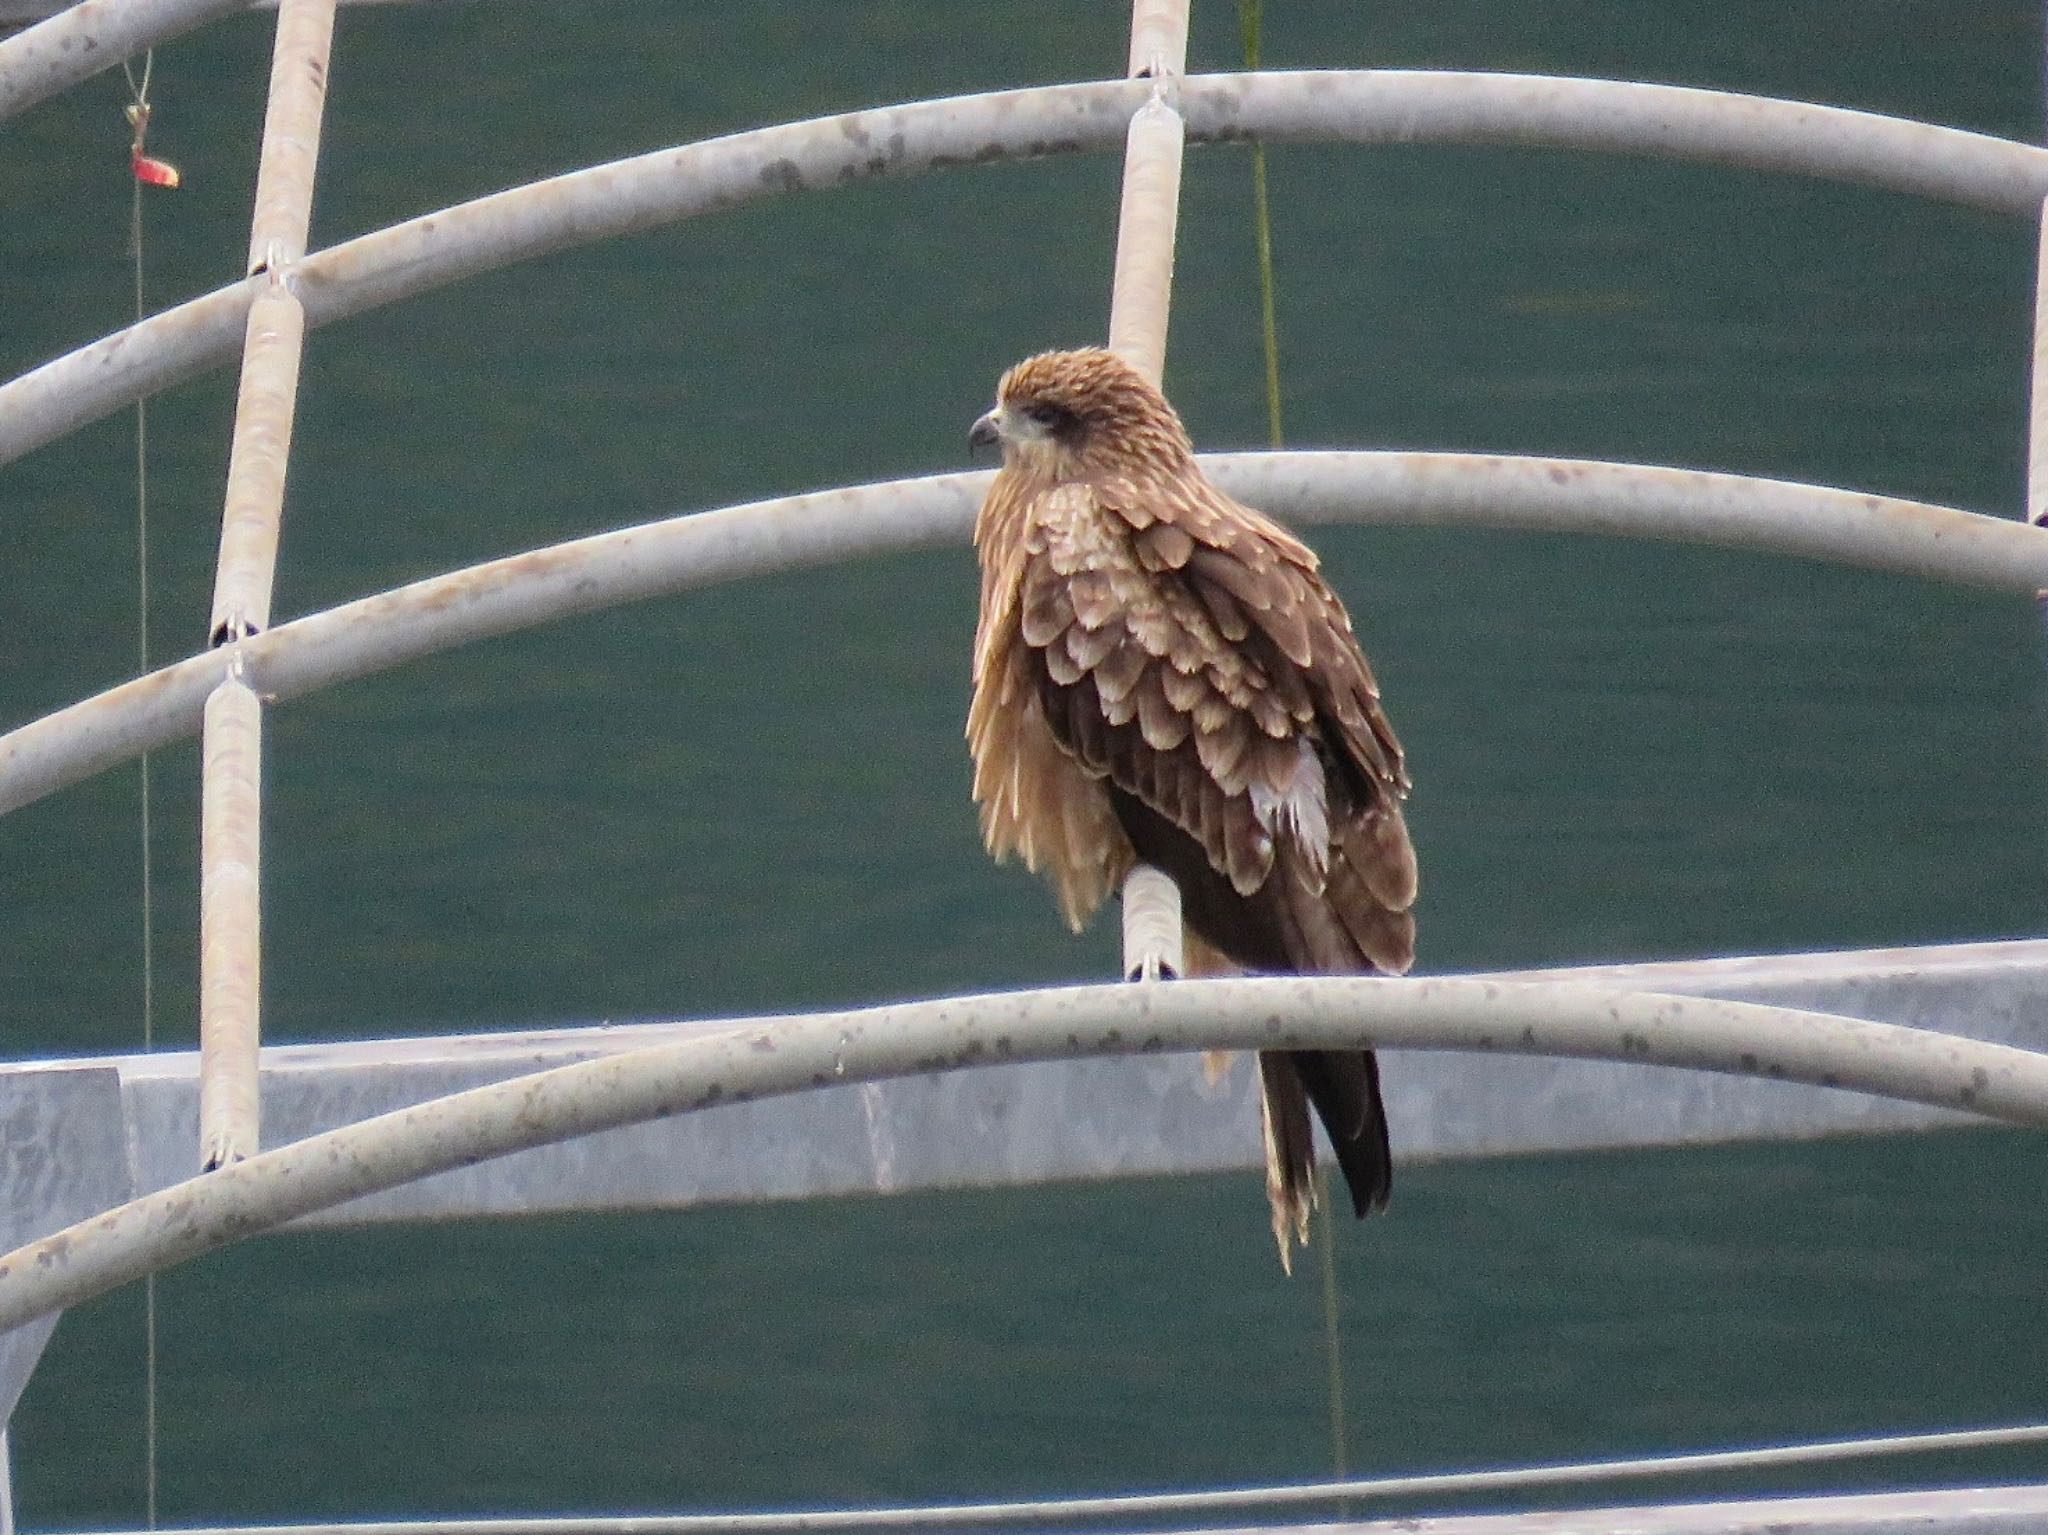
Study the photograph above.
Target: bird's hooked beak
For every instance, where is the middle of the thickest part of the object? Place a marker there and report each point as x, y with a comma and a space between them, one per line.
987, 431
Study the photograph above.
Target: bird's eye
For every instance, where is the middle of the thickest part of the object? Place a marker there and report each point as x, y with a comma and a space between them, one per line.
1053, 418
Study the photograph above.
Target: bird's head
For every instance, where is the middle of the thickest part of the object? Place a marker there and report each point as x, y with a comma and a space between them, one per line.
1066, 412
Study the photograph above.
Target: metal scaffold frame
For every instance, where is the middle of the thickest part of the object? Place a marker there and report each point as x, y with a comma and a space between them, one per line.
768, 1057
1317, 106
1153, 114
603, 570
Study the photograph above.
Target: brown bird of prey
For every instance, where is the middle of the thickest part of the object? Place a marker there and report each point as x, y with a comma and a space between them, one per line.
1163, 675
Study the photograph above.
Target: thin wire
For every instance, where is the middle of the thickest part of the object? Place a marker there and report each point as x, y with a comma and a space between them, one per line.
140, 92
1250, 22
1173, 1503
142, 621
149, 1391
1333, 1341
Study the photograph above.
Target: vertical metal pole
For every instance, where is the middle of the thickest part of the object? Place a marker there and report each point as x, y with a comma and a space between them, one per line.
6, 1482
264, 411
1159, 38
274, 338
1140, 299
2037, 423
2037, 413
231, 953
1143, 292
2037, 396
230, 925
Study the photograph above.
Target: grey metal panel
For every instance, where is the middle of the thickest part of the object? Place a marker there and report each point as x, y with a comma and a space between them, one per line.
63, 1156
1008, 1124
1949, 1511
1030, 1123
1463, 1106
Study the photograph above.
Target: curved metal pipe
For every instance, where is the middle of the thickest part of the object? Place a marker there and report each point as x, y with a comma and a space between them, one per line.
1354, 106
705, 548
78, 43
765, 1058
1784, 1516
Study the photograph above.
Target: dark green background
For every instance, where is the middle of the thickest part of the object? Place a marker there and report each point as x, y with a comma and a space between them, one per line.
757, 797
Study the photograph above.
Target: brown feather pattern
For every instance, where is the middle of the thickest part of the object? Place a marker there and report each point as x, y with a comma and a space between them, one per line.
1162, 673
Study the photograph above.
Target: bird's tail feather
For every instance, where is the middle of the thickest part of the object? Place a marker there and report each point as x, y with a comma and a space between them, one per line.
1344, 1088
1290, 1152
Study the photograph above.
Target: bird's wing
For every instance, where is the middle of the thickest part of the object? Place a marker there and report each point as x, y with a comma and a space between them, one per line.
1188, 648
1263, 588
1140, 687
1036, 801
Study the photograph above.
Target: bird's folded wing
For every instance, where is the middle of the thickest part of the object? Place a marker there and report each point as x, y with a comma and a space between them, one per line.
1185, 648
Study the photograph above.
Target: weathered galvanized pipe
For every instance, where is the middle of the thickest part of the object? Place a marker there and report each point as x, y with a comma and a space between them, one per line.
1159, 38
292, 118
94, 35
587, 574
230, 927
1356, 106
230, 857
2037, 398
274, 334
764, 1058
1967, 1512
1141, 298
265, 406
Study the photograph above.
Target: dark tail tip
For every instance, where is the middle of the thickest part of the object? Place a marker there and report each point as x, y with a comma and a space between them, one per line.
1344, 1086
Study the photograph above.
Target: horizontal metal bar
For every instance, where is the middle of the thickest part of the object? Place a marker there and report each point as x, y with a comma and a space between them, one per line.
118, 1126
1354, 106
764, 1058
1789, 1512
76, 43
20, 12
2000, 1510
705, 548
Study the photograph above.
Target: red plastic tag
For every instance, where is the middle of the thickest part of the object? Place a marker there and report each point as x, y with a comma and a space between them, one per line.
152, 172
